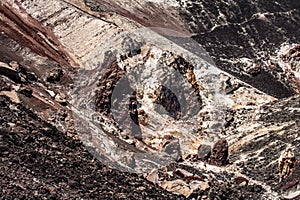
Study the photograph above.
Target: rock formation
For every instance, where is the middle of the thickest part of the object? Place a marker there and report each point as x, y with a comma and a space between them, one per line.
172, 99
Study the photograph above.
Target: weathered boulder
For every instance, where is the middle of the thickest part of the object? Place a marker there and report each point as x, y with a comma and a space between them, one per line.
219, 153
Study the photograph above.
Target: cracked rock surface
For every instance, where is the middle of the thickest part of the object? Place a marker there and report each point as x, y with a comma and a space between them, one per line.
151, 99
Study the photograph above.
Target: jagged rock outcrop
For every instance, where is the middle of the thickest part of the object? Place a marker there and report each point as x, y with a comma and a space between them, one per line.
131, 81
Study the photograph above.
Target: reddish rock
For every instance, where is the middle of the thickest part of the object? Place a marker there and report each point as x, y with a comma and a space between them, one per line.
219, 153
289, 185
241, 180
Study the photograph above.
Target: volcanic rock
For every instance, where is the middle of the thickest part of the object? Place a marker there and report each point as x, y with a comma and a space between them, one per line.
63, 64
219, 153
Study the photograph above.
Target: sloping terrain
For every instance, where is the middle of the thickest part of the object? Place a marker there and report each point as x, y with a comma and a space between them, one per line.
38, 161
149, 99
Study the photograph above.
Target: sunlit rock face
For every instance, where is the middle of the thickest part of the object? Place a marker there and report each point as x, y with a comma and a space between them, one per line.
155, 100
199, 97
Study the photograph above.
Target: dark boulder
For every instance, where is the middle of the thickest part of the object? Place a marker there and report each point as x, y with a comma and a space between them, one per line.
219, 153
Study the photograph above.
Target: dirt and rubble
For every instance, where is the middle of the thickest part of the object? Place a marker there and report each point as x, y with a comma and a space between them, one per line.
51, 50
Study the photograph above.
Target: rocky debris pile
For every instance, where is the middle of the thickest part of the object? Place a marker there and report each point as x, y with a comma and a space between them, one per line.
257, 152
198, 184
119, 76
38, 161
257, 43
242, 36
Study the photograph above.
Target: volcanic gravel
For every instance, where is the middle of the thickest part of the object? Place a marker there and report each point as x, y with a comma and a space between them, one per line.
39, 162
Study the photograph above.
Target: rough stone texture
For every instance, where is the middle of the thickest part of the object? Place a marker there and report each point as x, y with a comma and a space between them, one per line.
219, 153
38, 161
204, 152
242, 34
255, 45
108, 81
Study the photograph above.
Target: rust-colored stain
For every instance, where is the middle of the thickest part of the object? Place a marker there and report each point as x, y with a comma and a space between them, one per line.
17, 24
